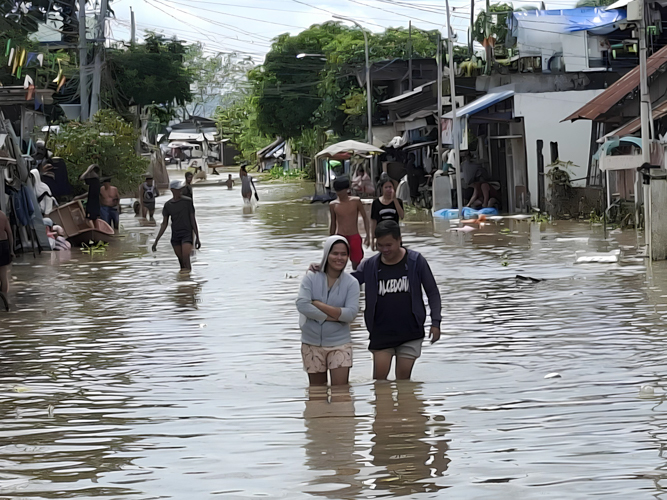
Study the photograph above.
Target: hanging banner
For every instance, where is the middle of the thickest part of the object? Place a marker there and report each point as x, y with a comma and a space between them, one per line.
446, 132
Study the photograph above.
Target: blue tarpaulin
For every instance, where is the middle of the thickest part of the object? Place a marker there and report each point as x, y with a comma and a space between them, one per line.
595, 19
481, 104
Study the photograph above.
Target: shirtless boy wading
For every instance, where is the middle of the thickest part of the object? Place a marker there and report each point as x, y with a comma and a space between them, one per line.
345, 213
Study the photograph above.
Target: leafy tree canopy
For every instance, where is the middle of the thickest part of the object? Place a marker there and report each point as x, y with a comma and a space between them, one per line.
152, 72
107, 140
594, 3
214, 77
497, 18
293, 95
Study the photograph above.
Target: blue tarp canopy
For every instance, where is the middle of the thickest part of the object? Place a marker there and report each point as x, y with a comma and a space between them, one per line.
481, 104
595, 19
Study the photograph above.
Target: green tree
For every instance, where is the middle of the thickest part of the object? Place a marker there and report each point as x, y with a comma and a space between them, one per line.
294, 95
107, 140
497, 18
594, 3
214, 76
151, 72
238, 122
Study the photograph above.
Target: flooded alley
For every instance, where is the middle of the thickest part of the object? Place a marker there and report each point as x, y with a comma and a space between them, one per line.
120, 378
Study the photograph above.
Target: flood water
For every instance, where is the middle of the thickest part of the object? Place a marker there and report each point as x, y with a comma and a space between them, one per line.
120, 378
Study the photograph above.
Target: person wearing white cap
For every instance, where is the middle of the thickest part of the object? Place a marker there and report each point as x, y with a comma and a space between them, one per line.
183, 225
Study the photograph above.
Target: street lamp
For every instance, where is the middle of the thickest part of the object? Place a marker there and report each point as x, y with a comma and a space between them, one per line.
302, 55
368, 76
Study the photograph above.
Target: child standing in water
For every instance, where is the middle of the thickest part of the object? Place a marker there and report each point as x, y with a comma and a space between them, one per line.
345, 211
328, 302
246, 184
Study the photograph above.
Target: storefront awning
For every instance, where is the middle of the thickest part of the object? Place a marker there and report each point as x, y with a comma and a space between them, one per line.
603, 102
190, 136
415, 120
633, 125
484, 102
406, 95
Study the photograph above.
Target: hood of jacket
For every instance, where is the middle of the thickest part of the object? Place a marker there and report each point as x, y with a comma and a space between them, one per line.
328, 245
40, 186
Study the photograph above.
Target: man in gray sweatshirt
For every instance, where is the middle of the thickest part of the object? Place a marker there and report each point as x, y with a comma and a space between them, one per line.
328, 302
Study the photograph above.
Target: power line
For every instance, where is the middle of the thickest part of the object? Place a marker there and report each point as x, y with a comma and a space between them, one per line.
396, 13
331, 12
217, 23
243, 17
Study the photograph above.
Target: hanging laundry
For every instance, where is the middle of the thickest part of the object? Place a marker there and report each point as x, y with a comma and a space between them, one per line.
40, 58
60, 73
27, 82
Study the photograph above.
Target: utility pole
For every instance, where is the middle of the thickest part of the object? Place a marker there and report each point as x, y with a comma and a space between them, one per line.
438, 60
410, 54
645, 114
133, 27
83, 60
455, 123
100, 42
368, 77
369, 87
472, 26
487, 37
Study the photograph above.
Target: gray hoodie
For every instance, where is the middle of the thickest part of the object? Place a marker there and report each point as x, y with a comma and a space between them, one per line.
315, 329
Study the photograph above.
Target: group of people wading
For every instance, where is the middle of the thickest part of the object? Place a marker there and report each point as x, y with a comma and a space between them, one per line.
395, 313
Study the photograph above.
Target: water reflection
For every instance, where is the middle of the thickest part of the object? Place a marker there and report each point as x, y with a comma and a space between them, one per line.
119, 379
186, 295
409, 449
331, 430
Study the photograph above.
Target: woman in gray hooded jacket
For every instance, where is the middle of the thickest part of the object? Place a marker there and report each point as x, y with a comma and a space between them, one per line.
328, 302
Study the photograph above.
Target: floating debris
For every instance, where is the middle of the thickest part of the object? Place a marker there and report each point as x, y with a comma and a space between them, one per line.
528, 278
598, 257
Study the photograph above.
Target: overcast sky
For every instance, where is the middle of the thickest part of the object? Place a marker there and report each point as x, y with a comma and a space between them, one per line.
247, 26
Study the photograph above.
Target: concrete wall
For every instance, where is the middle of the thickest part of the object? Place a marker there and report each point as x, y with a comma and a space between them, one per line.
542, 114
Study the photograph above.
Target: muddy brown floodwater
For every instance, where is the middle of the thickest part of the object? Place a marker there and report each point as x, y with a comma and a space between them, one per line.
121, 379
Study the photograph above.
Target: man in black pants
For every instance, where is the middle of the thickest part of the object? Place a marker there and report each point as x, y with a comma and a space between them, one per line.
183, 225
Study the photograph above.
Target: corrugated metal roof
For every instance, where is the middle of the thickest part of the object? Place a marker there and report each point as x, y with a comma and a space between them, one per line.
406, 95
617, 91
633, 125
480, 104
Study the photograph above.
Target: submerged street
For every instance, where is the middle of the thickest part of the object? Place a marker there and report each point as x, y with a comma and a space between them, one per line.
121, 378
